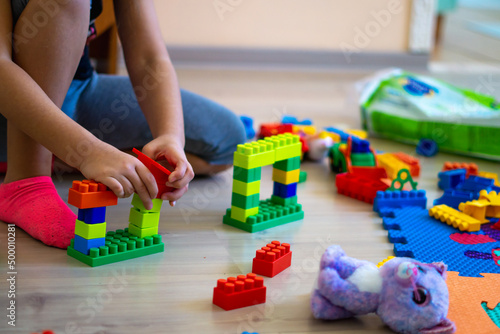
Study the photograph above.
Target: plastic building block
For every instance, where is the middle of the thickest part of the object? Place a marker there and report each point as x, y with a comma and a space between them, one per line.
453, 198
269, 215
360, 145
471, 168
287, 119
286, 146
285, 190
83, 245
240, 291
412, 162
89, 194
455, 218
427, 148
245, 332
415, 234
241, 215
246, 189
373, 173
359, 187
496, 255
253, 155
248, 175
302, 176
343, 135
245, 202
471, 239
119, 246
92, 215
309, 130
137, 203
401, 179
160, 173
273, 129
391, 164
287, 165
398, 199
142, 232
284, 177
90, 231
488, 175
381, 263
363, 159
451, 179
284, 201
475, 209
248, 124
475, 184
143, 219
493, 210
272, 259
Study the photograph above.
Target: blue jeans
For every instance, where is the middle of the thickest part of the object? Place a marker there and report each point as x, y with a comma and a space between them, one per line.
107, 106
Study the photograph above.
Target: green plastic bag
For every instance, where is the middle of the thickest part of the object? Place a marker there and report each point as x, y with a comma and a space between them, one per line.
408, 107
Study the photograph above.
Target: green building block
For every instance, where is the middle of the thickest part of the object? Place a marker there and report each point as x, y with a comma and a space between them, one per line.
240, 214
363, 159
288, 164
246, 175
144, 219
137, 203
246, 189
142, 232
302, 176
90, 231
120, 246
253, 155
270, 215
245, 202
284, 201
493, 314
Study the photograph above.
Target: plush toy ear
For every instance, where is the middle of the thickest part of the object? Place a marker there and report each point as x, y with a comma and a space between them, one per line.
440, 267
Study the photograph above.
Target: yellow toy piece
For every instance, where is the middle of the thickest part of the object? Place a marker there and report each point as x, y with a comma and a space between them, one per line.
335, 137
455, 218
391, 164
489, 175
476, 209
358, 133
307, 129
493, 210
381, 263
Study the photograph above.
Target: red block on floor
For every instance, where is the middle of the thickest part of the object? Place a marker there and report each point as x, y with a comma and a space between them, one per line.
272, 259
359, 187
88, 194
241, 291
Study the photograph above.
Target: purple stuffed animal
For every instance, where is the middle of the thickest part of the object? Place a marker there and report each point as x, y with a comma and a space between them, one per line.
410, 296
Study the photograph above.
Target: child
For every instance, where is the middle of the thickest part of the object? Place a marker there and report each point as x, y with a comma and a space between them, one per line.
85, 118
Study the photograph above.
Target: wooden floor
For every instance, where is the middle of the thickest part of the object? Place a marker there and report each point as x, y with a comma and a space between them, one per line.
171, 292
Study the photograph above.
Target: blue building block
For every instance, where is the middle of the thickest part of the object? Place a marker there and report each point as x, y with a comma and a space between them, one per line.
453, 198
284, 190
342, 134
415, 234
427, 147
287, 119
248, 123
386, 201
451, 178
475, 184
84, 245
360, 145
92, 215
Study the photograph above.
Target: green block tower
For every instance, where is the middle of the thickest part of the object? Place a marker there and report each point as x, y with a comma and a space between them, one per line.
247, 212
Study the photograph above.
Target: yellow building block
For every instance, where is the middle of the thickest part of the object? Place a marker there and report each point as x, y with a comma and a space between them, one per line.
307, 129
493, 210
255, 154
455, 218
242, 214
90, 231
358, 133
246, 189
335, 137
286, 146
286, 177
475, 209
381, 263
489, 175
391, 164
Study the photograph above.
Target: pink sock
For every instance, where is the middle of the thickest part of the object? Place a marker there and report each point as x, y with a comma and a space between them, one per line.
34, 205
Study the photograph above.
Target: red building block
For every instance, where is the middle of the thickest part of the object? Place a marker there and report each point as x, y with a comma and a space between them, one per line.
272, 129
88, 194
472, 168
241, 291
359, 187
272, 259
412, 162
160, 173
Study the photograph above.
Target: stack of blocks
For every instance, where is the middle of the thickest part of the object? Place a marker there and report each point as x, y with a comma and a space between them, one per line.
91, 199
247, 212
143, 222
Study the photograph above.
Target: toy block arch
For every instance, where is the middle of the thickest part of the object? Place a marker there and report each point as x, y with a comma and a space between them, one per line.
247, 211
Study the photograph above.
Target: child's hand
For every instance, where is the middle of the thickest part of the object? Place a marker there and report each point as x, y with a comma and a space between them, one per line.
173, 151
121, 172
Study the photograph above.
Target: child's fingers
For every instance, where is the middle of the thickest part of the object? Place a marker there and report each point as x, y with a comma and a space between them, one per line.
173, 196
141, 190
113, 184
181, 176
148, 180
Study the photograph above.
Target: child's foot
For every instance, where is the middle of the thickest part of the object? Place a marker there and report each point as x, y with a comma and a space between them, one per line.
34, 205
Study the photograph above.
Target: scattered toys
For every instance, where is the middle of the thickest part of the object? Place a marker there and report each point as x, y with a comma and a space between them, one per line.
272, 259
240, 291
455, 218
408, 295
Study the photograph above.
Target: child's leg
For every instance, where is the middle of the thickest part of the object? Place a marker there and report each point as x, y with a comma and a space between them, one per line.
28, 197
109, 109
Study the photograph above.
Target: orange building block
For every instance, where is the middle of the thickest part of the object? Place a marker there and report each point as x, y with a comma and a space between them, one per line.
466, 296
88, 194
412, 162
471, 168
